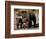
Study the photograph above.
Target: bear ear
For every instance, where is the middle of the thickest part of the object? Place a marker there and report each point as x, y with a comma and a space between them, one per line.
24, 12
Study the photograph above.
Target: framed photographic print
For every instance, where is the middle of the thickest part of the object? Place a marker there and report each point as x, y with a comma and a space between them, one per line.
24, 19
